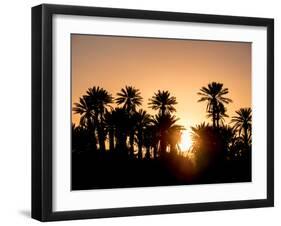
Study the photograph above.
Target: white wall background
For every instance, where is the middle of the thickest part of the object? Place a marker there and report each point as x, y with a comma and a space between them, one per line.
15, 113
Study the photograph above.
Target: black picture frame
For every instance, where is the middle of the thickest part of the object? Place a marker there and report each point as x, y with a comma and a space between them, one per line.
42, 111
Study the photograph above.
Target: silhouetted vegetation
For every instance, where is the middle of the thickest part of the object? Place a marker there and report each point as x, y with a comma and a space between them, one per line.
119, 144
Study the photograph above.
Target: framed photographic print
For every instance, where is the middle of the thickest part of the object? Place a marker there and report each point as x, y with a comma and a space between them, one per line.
145, 112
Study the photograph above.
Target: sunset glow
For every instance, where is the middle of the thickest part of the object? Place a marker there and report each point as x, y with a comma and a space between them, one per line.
167, 111
186, 141
149, 64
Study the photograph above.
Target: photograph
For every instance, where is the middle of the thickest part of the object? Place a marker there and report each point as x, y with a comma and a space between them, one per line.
150, 111
145, 112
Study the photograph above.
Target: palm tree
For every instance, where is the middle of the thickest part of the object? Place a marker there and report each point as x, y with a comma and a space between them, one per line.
110, 128
84, 109
120, 119
243, 123
214, 94
209, 146
87, 115
174, 137
220, 114
199, 133
151, 137
132, 132
228, 139
143, 120
163, 101
99, 100
130, 98
164, 122
81, 141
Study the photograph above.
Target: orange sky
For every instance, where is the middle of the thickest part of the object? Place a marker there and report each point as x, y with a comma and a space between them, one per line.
149, 64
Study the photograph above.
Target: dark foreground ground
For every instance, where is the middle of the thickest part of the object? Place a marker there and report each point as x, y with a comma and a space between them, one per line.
96, 171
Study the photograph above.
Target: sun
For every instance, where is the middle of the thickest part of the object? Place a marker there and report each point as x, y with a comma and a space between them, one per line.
186, 141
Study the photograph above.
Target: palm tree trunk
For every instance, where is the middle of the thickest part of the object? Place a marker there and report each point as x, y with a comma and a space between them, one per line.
246, 137
147, 153
94, 139
101, 139
131, 140
214, 119
101, 136
154, 151
139, 144
163, 110
118, 139
92, 130
121, 141
162, 144
214, 112
111, 139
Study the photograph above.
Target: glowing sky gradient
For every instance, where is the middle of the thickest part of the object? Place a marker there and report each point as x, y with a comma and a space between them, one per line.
149, 64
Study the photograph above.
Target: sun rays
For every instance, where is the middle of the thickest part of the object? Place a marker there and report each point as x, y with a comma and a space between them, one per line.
186, 141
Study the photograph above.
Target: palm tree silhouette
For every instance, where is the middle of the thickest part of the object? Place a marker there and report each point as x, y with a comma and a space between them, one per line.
151, 138
85, 110
213, 94
220, 114
199, 133
209, 146
164, 122
110, 128
143, 120
130, 98
163, 101
120, 119
243, 123
174, 138
81, 139
220, 152
99, 100
228, 139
